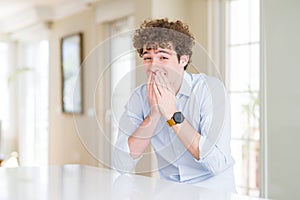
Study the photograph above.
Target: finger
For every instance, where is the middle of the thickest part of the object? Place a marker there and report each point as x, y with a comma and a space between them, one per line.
151, 91
162, 84
154, 95
165, 79
156, 91
159, 79
149, 78
168, 84
148, 89
150, 81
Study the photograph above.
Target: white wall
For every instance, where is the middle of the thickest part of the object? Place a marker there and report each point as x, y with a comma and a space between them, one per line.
282, 71
65, 144
173, 9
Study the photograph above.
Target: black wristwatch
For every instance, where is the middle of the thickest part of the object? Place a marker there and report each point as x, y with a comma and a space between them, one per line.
176, 119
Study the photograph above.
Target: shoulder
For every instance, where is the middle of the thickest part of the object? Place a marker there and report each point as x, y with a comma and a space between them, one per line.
140, 90
204, 81
208, 87
139, 93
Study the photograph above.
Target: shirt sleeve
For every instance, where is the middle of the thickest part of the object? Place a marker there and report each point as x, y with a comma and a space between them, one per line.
129, 122
214, 144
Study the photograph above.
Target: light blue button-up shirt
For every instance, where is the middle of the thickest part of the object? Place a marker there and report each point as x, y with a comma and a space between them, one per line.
204, 102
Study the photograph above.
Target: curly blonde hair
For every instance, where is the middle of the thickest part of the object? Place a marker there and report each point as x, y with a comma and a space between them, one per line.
163, 33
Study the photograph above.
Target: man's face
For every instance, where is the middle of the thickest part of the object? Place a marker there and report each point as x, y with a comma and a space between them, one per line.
163, 60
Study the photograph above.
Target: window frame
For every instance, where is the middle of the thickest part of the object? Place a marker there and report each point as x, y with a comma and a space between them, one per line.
262, 148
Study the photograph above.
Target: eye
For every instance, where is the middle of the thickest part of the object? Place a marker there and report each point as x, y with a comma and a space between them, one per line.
164, 58
146, 58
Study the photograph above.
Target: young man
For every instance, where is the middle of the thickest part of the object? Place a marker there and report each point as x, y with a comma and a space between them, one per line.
185, 117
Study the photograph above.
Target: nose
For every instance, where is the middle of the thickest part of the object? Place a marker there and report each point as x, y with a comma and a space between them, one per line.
154, 65
154, 68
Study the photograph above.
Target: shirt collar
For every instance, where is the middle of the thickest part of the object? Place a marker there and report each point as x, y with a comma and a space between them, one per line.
186, 86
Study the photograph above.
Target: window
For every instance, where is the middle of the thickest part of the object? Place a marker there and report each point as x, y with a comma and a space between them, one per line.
242, 75
5, 98
24, 101
32, 102
121, 70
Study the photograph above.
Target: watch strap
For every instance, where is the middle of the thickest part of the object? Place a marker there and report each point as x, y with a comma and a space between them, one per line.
171, 122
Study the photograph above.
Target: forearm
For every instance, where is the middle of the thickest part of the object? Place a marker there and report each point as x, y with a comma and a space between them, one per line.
189, 137
140, 139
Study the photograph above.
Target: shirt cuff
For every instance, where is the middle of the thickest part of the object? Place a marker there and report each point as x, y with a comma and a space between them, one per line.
122, 160
201, 143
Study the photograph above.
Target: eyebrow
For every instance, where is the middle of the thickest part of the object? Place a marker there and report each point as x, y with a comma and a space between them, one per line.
160, 51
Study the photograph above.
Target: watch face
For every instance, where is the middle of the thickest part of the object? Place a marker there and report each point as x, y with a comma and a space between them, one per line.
178, 117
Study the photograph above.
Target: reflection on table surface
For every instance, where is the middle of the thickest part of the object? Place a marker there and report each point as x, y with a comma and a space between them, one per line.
86, 182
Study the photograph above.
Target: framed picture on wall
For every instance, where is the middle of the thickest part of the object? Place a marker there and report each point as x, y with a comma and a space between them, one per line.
71, 59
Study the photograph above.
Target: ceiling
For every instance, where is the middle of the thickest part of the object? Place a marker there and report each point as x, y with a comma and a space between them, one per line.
19, 14
9, 8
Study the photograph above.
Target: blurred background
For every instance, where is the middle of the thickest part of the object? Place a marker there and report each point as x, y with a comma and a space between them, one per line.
254, 46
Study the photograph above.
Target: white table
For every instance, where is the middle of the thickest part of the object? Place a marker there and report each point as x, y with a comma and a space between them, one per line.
72, 182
